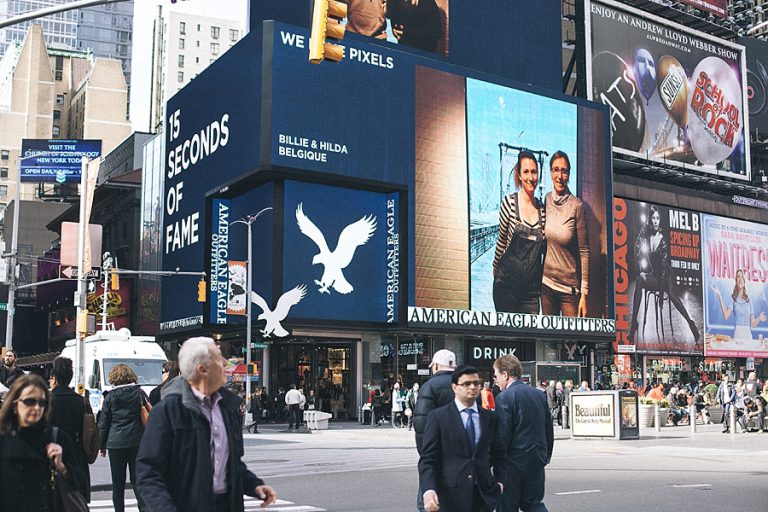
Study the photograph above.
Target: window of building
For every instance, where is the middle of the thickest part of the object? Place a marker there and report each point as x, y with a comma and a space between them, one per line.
234, 34
4, 154
56, 115
181, 43
198, 27
59, 99
215, 31
214, 48
198, 44
180, 76
181, 61
55, 131
3, 190
59, 68
197, 60
182, 28
3, 172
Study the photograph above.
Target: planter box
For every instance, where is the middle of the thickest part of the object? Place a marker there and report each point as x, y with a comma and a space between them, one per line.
646, 415
716, 413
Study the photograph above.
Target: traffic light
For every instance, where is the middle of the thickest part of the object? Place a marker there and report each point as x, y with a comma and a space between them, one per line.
326, 17
201, 290
251, 369
115, 281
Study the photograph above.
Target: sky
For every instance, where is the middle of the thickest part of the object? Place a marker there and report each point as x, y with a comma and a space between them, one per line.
145, 12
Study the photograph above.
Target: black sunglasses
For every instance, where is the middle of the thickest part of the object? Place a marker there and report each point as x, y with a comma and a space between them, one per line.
31, 402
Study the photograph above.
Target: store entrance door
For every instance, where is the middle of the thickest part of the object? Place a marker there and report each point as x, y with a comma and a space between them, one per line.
324, 369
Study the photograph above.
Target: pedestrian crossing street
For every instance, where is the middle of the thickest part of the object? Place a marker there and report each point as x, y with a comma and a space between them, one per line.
251, 505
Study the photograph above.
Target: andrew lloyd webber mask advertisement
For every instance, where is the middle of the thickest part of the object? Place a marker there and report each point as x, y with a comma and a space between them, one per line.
676, 95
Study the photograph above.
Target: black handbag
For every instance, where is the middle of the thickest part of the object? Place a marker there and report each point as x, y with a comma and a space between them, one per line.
65, 498
520, 268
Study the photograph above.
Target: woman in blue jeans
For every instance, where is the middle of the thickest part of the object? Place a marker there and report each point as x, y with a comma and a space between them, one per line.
121, 430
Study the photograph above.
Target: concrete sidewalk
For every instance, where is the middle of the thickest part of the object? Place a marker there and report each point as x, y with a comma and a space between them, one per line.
358, 439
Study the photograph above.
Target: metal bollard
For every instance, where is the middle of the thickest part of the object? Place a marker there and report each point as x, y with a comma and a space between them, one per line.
732, 420
564, 415
656, 419
692, 418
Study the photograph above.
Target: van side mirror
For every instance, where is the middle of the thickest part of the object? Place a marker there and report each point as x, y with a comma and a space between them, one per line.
93, 381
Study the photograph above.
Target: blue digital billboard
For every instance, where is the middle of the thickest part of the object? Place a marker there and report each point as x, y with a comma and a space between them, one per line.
54, 160
509, 38
354, 146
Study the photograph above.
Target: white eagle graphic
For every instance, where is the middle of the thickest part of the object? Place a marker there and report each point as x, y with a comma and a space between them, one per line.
284, 304
352, 237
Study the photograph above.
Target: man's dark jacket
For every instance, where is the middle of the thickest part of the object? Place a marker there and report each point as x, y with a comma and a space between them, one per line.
67, 411
450, 467
8, 376
174, 471
436, 392
525, 423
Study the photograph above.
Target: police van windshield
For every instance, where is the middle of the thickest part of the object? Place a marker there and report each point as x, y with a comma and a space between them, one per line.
149, 371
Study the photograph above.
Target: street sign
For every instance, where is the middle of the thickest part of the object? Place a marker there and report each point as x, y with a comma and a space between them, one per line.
3, 306
72, 272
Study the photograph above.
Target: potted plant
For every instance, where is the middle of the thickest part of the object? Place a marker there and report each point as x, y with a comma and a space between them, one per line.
664, 412
710, 398
647, 407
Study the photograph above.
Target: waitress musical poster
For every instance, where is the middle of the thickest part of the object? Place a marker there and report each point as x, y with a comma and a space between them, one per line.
735, 260
676, 95
657, 266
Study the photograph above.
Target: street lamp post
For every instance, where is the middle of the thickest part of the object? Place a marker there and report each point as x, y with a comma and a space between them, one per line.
248, 220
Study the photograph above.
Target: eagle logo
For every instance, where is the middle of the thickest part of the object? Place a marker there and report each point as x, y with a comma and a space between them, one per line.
274, 317
351, 237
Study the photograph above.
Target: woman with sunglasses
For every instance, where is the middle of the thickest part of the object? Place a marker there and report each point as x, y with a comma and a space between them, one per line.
27, 454
170, 371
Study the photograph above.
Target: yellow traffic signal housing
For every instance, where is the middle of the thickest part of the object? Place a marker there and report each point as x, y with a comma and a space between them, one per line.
251, 369
115, 281
326, 17
201, 290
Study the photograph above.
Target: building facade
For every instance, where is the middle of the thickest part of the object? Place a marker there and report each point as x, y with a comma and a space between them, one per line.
185, 44
56, 94
107, 30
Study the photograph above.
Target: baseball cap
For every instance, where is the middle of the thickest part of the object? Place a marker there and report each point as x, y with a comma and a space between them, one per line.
444, 357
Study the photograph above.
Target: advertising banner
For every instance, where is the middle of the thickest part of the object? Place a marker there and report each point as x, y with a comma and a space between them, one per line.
676, 96
757, 84
657, 268
336, 249
118, 304
452, 31
735, 273
237, 287
593, 414
717, 7
55, 161
218, 283
465, 205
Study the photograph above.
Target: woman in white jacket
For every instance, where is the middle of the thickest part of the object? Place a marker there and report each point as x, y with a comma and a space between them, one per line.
397, 406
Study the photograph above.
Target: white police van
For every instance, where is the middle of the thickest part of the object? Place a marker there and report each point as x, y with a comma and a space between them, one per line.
105, 349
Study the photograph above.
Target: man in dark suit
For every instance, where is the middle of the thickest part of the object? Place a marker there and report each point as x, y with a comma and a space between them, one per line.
528, 437
460, 445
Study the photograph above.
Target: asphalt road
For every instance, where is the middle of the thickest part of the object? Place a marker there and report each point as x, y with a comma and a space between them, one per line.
353, 469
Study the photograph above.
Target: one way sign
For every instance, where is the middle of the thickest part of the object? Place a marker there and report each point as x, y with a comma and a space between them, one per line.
72, 272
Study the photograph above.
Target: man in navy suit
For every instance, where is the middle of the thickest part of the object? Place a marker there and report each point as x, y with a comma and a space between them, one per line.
460, 445
526, 427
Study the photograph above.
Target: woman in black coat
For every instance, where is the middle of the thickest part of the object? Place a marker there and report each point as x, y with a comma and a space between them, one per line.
121, 430
170, 370
27, 453
67, 411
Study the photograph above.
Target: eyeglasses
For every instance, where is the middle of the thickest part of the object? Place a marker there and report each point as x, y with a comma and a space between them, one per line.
470, 383
31, 402
561, 170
